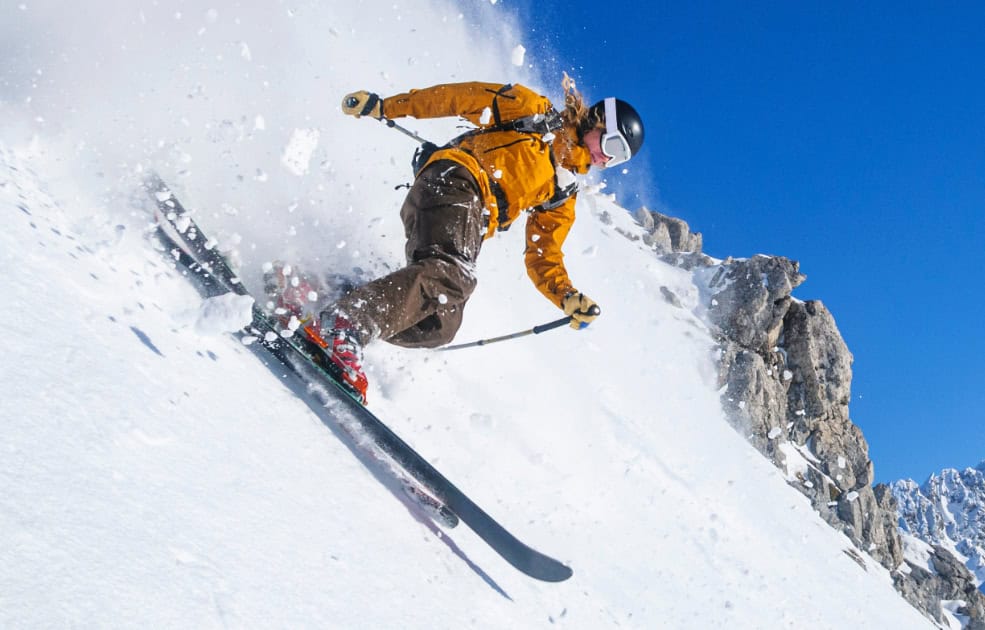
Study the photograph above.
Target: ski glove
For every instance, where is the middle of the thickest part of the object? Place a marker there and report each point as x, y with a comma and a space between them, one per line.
582, 309
363, 103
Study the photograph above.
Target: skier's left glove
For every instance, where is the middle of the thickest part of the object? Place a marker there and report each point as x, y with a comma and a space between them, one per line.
363, 103
582, 309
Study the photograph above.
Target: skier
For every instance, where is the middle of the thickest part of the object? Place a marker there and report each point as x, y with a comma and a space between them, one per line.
518, 159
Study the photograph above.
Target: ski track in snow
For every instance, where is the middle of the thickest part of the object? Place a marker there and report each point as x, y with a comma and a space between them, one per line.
157, 474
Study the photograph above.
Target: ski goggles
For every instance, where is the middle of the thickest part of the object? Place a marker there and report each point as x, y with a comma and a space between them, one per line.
614, 145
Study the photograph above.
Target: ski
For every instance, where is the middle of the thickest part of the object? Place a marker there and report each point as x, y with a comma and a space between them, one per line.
205, 279
200, 258
434, 508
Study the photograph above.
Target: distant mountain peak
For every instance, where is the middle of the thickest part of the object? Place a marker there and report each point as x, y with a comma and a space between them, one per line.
947, 510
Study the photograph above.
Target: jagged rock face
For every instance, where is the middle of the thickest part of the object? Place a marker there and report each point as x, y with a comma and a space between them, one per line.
942, 578
751, 299
949, 511
668, 234
786, 376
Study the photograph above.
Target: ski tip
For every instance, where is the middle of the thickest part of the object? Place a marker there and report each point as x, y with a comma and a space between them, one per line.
555, 573
541, 567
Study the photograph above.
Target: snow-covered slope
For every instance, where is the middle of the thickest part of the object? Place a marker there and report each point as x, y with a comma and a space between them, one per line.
156, 476
153, 476
947, 510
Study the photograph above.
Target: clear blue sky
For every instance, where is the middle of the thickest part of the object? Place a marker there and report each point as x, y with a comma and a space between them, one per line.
850, 138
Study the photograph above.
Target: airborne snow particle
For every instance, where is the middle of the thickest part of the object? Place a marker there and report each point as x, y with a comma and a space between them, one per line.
518, 54
297, 154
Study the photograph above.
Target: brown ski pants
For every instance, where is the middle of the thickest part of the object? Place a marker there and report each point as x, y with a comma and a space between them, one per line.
420, 306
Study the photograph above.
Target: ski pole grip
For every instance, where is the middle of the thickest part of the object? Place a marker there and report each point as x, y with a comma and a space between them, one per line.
594, 310
564, 321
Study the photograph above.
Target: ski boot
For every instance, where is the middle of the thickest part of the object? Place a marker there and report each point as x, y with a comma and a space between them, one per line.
292, 296
343, 348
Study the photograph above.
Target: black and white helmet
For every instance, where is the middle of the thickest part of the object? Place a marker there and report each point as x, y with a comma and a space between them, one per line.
623, 136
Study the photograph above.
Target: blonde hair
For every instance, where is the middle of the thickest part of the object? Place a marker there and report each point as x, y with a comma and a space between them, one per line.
576, 113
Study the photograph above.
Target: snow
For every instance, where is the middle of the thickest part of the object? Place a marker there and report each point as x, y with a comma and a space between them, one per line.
518, 54
917, 552
157, 474
297, 154
946, 510
224, 313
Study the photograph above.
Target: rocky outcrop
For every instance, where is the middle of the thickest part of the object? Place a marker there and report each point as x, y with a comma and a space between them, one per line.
786, 379
943, 578
668, 234
788, 374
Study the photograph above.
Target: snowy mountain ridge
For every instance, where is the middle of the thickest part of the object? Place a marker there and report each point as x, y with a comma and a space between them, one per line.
947, 510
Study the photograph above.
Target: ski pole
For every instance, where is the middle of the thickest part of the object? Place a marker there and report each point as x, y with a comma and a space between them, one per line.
352, 102
403, 130
536, 330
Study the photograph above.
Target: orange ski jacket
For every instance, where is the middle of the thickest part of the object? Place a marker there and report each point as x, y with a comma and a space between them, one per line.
516, 171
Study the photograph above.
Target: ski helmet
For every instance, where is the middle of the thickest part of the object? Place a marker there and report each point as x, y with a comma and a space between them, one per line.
623, 134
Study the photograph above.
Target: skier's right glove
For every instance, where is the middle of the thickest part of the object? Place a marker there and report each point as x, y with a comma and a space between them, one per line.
582, 309
363, 103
